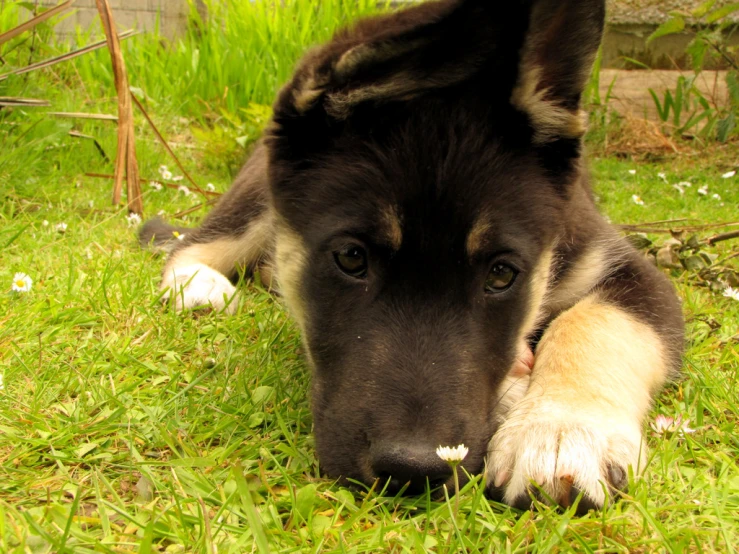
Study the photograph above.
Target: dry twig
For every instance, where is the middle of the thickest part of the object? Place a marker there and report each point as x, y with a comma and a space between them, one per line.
126, 155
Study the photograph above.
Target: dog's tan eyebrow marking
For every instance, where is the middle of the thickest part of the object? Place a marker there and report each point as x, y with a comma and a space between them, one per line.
391, 227
477, 236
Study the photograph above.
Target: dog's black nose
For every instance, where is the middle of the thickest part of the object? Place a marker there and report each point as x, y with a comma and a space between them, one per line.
398, 464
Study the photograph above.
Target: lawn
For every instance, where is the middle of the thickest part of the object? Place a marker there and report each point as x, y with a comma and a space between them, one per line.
125, 427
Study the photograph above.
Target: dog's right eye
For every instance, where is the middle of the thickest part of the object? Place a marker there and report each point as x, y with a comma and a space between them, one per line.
352, 260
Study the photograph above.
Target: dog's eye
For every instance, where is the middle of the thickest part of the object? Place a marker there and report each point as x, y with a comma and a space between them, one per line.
500, 278
352, 260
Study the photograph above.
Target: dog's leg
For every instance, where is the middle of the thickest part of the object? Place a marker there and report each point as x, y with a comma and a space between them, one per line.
578, 428
237, 233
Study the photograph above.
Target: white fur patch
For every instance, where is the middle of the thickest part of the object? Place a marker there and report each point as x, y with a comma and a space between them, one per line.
199, 285
596, 368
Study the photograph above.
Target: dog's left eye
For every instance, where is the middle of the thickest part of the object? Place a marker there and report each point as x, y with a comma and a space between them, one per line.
352, 260
500, 278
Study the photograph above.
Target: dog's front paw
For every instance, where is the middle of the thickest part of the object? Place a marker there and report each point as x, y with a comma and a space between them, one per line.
198, 285
562, 451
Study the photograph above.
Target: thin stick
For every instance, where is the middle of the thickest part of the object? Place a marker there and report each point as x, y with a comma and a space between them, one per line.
722, 237
195, 208
65, 57
142, 180
166, 146
31, 23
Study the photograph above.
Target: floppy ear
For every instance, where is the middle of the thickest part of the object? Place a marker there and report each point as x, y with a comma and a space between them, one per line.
537, 53
556, 59
390, 58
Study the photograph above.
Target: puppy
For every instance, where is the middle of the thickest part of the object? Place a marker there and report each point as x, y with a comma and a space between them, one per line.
420, 202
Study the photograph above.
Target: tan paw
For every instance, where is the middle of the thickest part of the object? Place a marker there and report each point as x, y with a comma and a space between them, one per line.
198, 285
565, 451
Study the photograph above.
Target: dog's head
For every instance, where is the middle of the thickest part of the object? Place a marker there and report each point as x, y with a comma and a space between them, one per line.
421, 168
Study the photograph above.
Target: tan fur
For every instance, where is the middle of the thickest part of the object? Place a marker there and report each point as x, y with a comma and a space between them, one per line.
538, 294
476, 237
363, 55
549, 119
289, 264
392, 227
596, 368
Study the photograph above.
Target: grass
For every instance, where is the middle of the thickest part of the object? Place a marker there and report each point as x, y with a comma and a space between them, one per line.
125, 427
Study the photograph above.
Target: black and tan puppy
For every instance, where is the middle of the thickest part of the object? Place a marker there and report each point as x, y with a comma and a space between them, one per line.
421, 203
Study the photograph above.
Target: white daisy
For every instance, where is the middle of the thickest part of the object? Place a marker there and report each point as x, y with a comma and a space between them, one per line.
184, 190
716, 196
210, 187
637, 200
155, 185
61, 228
729, 174
45, 223
685, 184
703, 191
662, 176
452, 454
177, 178
663, 424
731, 292
21, 283
2, 385
162, 169
632, 171
133, 219
679, 189
166, 175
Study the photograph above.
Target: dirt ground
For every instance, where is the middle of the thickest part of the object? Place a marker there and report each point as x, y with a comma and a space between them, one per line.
630, 93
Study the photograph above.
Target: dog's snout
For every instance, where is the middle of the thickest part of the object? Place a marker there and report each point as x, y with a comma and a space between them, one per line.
398, 465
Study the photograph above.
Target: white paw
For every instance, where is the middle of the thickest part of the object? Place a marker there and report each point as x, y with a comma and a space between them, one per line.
566, 450
198, 285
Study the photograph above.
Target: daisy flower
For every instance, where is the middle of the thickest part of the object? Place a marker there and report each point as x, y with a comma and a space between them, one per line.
177, 178
452, 454
685, 184
2, 385
45, 223
210, 187
178, 235
61, 228
155, 185
663, 424
731, 292
162, 169
21, 283
716, 196
679, 189
166, 175
133, 219
637, 200
632, 171
662, 176
728, 174
184, 190
703, 191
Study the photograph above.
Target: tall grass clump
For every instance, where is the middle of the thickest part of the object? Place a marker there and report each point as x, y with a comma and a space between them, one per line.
240, 53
